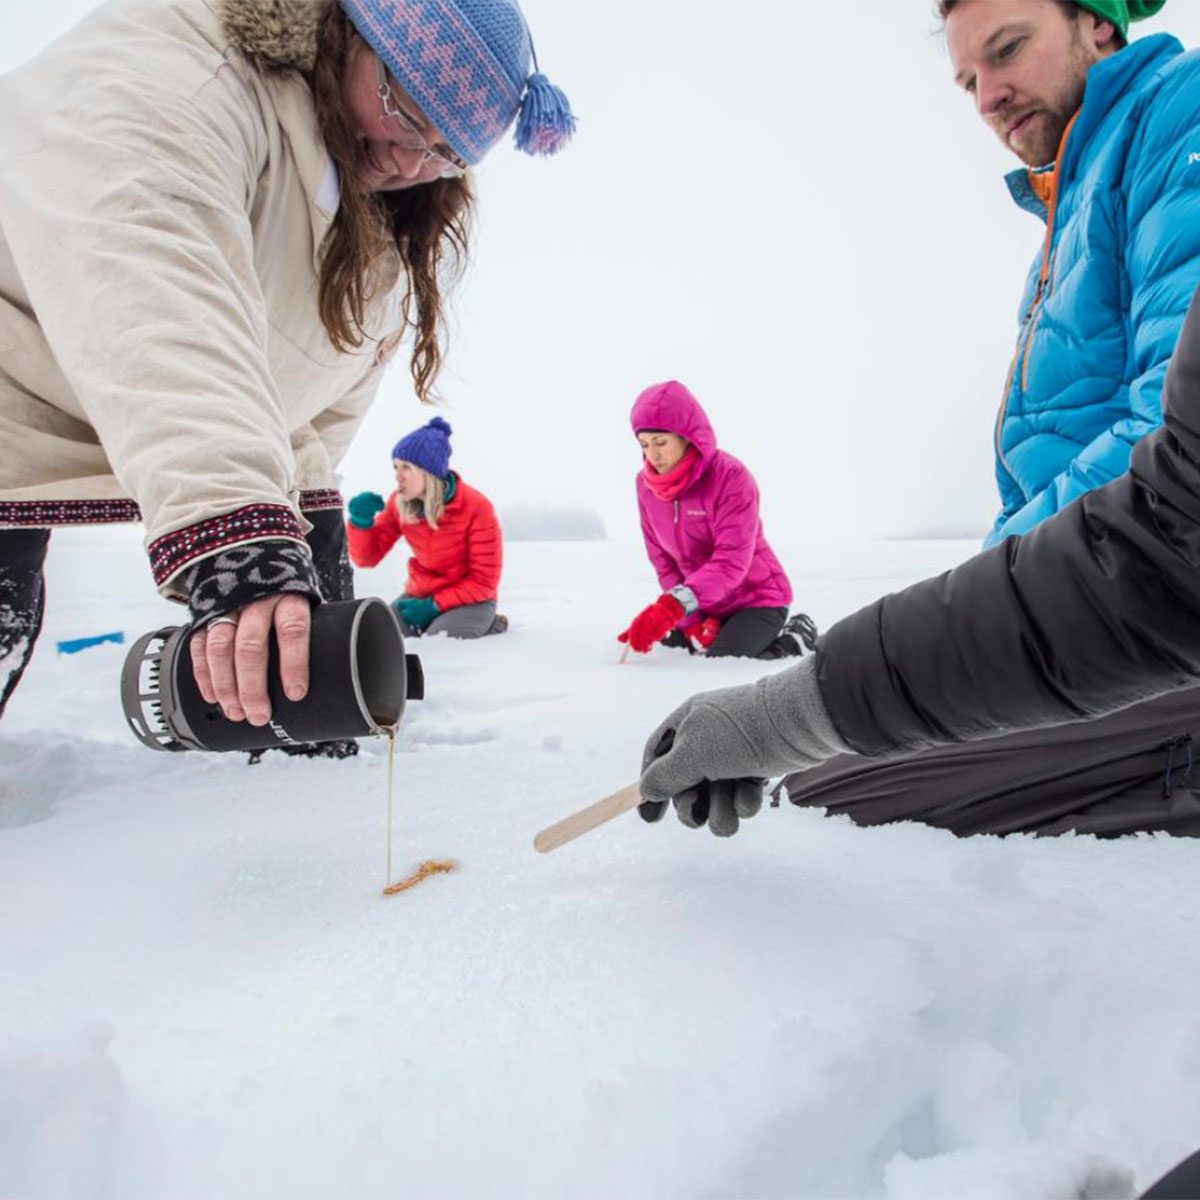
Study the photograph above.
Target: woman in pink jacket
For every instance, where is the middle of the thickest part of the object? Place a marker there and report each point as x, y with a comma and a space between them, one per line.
724, 592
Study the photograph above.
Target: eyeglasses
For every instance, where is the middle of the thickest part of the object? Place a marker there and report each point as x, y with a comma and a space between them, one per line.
448, 164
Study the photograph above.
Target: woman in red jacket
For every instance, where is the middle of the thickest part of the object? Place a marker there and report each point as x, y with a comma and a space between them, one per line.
452, 533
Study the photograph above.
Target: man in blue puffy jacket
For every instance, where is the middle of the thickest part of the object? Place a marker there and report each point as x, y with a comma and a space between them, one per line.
1109, 135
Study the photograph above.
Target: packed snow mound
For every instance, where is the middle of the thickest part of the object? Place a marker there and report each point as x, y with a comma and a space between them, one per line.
63, 1114
203, 992
552, 523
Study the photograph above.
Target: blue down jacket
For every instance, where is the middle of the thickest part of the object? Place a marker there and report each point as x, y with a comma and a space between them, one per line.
1106, 297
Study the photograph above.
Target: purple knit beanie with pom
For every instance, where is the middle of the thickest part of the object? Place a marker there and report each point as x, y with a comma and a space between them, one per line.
427, 448
466, 63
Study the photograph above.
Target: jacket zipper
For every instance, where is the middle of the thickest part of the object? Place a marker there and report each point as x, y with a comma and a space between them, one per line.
1041, 293
676, 505
1037, 305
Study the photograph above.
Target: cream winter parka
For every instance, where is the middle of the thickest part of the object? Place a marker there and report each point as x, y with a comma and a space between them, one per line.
164, 195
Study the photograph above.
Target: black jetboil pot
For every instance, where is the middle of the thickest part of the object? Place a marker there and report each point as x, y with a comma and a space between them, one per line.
360, 679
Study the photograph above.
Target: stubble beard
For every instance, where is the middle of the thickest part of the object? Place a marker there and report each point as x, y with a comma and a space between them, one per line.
1055, 115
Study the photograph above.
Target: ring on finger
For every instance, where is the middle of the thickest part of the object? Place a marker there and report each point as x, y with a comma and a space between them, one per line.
223, 621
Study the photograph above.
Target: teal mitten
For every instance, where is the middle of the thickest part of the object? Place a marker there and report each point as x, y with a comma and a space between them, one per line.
363, 508
416, 611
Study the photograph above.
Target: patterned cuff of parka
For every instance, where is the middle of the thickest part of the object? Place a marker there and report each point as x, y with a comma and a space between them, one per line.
242, 574
177, 550
173, 553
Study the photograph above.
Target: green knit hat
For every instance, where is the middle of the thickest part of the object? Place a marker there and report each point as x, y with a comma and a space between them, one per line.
1121, 12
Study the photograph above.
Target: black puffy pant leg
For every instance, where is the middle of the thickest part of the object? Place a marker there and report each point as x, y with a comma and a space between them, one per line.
1135, 770
747, 632
327, 541
1181, 1183
22, 602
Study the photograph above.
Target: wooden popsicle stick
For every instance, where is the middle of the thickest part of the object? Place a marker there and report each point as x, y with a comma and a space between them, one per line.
586, 819
625, 653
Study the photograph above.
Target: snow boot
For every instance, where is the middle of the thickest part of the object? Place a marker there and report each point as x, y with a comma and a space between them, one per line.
678, 640
798, 634
804, 627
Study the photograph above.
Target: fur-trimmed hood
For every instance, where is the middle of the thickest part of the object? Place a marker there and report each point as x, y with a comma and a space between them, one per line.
275, 33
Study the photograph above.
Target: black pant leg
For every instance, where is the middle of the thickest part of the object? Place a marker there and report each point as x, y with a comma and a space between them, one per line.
22, 602
327, 541
1181, 1183
747, 632
1130, 771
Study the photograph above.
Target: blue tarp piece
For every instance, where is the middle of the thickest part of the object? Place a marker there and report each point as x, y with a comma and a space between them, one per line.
74, 645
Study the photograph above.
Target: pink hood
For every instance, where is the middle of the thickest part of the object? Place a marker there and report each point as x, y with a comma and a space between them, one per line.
672, 408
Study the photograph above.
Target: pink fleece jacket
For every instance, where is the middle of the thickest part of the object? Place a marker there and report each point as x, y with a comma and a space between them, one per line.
710, 538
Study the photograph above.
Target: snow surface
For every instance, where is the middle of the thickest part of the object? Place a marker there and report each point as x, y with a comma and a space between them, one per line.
204, 993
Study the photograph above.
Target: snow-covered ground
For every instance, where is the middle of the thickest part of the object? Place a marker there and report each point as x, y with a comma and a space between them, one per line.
203, 993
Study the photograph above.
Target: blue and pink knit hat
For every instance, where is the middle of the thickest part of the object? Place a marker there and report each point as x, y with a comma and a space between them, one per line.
466, 63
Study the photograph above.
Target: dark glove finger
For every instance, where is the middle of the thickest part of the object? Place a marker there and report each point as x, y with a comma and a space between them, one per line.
692, 805
661, 747
748, 796
722, 815
652, 810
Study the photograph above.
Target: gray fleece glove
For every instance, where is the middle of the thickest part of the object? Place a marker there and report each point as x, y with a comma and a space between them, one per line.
714, 753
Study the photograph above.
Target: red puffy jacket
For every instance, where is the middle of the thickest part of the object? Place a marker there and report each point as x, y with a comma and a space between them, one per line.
457, 563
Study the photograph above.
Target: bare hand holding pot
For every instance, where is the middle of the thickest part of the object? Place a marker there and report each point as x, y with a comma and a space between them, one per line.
230, 656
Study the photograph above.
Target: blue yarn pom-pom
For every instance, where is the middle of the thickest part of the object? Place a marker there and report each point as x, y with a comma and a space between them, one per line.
438, 423
545, 121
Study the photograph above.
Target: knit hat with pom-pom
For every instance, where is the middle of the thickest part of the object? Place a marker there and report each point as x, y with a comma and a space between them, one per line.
465, 63
427, 448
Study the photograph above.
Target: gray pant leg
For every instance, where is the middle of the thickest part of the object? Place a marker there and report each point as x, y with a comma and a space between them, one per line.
1129, 771
466, 621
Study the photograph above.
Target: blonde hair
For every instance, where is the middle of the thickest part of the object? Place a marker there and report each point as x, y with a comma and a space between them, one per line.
430, 506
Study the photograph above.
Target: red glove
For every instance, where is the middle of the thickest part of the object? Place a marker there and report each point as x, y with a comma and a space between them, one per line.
699, 630
653, 624
704, 633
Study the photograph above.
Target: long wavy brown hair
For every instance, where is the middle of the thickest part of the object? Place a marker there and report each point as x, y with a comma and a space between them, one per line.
426, 227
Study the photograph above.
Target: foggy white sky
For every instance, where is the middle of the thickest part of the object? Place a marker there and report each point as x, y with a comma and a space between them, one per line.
788, 206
